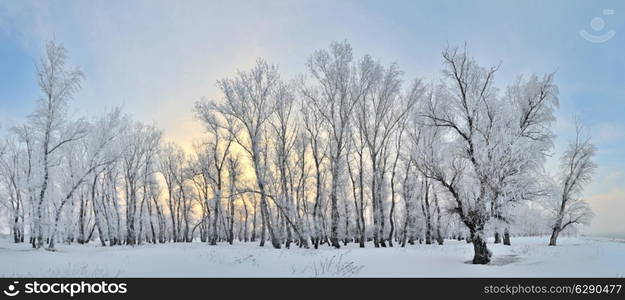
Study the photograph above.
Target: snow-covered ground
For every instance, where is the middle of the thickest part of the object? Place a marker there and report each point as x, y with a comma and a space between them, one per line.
528, 257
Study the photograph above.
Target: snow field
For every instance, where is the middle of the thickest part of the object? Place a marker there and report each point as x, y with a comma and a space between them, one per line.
527, 257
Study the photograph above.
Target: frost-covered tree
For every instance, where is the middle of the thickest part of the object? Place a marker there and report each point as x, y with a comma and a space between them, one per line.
14, 174
576, 170
338, 87
172, 166
314, 125
249, 100
85, 158
488, 145
234, 172
212, 157
379, 112
50, 124
285, 128
137, 142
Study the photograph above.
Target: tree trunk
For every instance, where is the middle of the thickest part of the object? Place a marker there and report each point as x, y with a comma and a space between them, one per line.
16, 231
140, 234
334, 208
439, 236
130, 213
392, 212
363, 227
216, 203
262, 226
81, 220
554, 236
245, 231
376, 212
506, 237
94, 205
231, 220
482, 254
264, 206
425, 205
253, 238
347, 235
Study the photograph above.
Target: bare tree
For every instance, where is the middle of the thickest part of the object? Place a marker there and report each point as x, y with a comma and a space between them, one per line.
13, 173
380, 113
491, 145
234, 172
286, 131
250, 101
26, 137
338, 90
137, 142
171, 167
53, 130
86, 158
356, 170
213, 160
577, 168
313, 125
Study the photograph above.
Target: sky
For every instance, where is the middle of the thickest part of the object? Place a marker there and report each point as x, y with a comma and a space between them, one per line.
156, 58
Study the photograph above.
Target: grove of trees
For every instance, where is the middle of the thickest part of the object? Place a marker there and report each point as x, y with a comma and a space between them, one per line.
350, 151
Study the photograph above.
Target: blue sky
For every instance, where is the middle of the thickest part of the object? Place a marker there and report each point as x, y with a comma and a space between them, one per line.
157, 57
